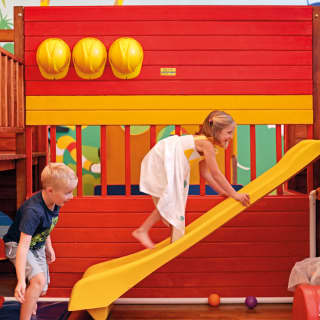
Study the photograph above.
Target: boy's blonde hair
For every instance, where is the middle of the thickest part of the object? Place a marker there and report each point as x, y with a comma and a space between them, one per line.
215, 122
58, 175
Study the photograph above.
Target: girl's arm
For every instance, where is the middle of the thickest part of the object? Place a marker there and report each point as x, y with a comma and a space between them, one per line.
208, 151
21, 261
204, 172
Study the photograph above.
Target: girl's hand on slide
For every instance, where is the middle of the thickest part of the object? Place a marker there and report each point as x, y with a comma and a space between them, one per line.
243, 198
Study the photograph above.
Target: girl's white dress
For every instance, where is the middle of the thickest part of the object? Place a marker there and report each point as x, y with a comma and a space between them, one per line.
165, 172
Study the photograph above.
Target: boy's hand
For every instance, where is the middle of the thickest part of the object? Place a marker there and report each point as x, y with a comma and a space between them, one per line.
244, 198
20, 291
50, 255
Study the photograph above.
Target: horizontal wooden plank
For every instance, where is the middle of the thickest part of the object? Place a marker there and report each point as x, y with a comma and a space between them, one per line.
206, 264
209, 58
223, 234
159, 117
8, 143
6, 35
62, 280
277, 218
150, 27
199, 73
226, 264
200, 311
190, 280
122, 204
245, 249
227, 291
249, 249
174, 12
179, 87
134, 220
10, 130
231, 264
59, 292
267, 291
7, 165
167, 102
213, 278
200, 42
11, 156
9, 55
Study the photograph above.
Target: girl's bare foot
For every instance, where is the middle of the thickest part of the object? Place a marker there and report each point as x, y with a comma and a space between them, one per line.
143, 237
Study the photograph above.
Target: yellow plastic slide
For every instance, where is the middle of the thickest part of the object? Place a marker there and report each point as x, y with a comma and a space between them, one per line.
103, 283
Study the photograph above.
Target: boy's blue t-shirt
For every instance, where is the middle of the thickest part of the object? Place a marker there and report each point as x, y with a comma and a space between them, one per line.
35, 219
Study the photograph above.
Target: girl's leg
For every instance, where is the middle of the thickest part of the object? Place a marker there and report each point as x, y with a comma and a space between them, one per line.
155, 201
142, 233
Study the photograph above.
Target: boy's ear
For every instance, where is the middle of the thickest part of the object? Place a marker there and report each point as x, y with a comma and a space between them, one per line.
49, 189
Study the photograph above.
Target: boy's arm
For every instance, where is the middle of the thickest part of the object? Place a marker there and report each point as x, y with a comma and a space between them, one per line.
51, 257
204, 172
21, 260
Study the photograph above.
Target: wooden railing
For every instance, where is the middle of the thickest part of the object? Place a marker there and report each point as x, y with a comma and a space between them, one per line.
12, 108
280, 148
12, 102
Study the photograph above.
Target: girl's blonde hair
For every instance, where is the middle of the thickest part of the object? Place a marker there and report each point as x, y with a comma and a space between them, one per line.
214, 123
58, 175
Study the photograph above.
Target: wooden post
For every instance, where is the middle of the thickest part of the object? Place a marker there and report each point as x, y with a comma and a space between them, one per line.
316, 83
316, 107
18, 32
20, 144
103, 160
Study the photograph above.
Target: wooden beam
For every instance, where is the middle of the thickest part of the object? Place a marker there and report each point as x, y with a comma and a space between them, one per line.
18, 32
316, 84
316, 107
21, 145
10, 55
6, 36
7, 165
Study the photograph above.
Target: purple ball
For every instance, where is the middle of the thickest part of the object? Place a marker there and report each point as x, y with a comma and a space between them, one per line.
251, 302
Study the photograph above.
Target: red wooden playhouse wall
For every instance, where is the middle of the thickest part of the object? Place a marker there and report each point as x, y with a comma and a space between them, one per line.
257, 50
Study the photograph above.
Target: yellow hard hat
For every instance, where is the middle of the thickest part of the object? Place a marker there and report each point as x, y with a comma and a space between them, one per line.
53, 58
125, 57
89, 58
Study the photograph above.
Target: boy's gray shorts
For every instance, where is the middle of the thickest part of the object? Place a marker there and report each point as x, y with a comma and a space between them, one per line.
36, 262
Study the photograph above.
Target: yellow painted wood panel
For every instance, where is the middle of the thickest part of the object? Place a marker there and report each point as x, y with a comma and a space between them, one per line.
166, 117
151, 102
140, 110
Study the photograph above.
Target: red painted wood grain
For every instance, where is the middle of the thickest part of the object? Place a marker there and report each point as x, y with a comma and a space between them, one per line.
163, 13
136, 28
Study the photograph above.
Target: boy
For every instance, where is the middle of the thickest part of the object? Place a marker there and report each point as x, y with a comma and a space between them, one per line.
27, 242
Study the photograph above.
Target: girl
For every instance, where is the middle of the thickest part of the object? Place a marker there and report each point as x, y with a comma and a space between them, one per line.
165, 173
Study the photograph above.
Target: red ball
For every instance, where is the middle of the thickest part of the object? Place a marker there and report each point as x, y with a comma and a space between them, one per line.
1, 301
214, 300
